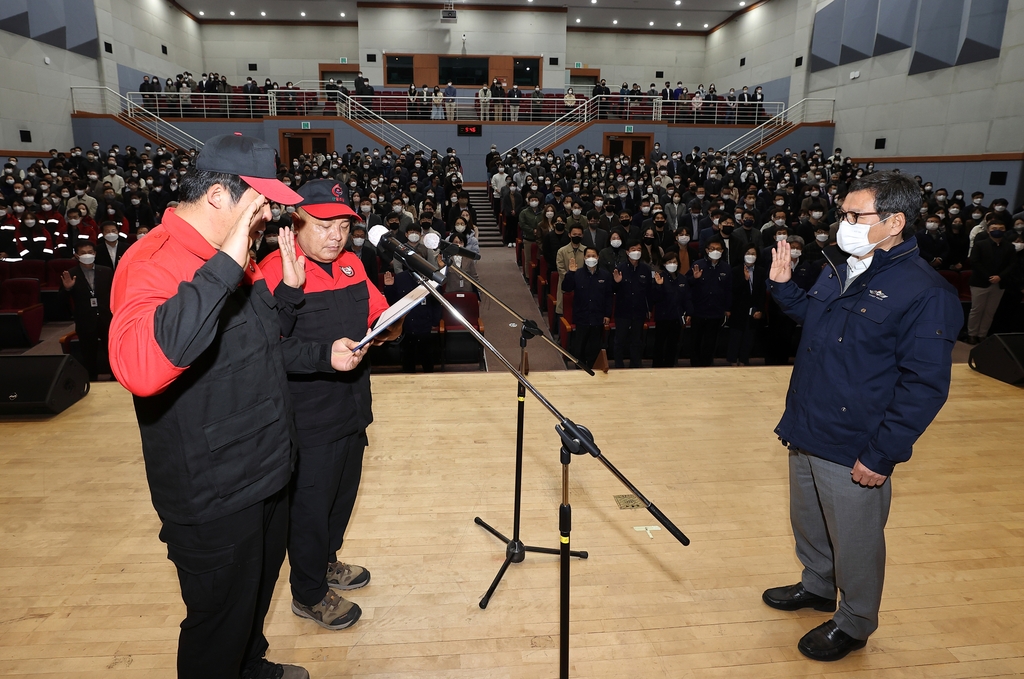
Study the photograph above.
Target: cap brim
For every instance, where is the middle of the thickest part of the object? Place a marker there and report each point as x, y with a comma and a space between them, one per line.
273, 189
331, 211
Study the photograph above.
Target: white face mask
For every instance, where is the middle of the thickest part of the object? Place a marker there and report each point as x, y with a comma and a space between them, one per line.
634, 255
931, 226
358, 242
749, 259
534, 203
577, 213
364, 208
549, 215
110, 237
780, 203
779, 237
714, 255
616, 243
1018, 246
461, 228
672, 267
683, 240
795, 254
816, 215
414, 238
86, 259
590, 262
821, 237
598, 204
853, 238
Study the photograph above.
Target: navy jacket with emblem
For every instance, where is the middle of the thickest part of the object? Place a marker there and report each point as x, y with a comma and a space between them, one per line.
592, 298
873, 367
672, 298
712, 292
633, 294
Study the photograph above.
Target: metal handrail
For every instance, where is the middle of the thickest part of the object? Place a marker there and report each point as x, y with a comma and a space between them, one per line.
568, 123
809, 110
98, 99
201, 105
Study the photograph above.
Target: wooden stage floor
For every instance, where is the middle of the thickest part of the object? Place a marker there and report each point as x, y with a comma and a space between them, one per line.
86, 589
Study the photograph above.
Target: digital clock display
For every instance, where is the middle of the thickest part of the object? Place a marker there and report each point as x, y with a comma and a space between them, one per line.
465, 130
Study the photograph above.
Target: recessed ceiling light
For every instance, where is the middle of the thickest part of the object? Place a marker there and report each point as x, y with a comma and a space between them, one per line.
201, 13
577, 20
678, 24
651, 24
302, 14
263, 14
743, 4
705, 25
679, 2
231, 13
593, 2
342, 14
615, 21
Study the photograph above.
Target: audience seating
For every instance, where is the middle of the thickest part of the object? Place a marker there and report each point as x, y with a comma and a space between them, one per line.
21, 313
458, 345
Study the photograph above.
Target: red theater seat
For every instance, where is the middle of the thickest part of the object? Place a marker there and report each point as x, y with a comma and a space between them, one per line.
21, 313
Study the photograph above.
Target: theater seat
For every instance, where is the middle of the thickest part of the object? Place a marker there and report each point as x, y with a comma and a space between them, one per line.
21, 313
29, 268
55, 306
459, 345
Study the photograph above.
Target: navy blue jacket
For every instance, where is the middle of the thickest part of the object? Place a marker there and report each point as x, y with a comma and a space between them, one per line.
873, 367
633, 294
592, 298
672, 298
427, 314
712, 292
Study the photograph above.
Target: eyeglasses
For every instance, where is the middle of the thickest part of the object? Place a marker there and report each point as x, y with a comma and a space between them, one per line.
854, 217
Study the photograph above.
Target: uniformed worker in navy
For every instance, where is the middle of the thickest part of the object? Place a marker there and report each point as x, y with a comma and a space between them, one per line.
593, 291
332, 411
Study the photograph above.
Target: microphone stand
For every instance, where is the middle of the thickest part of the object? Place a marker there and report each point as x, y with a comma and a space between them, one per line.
515, 550
576, 440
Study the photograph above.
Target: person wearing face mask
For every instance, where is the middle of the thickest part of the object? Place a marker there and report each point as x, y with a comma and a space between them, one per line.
364, 250
530, 218
749, 296
593, 293
992, 264
814, 249
112, 248
553, 241
138, 213
710, 281
633, 280
932, 242
670, 295
615, 254
87, 287
872, 371
573, 250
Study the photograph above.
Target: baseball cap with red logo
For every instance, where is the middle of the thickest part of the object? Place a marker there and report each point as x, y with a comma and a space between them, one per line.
326, 199
249, 158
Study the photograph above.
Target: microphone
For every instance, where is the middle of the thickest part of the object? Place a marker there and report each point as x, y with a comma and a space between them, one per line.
381, 238
433, 242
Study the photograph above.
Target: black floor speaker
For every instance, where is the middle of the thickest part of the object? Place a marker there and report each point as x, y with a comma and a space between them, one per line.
42, 385
1002, 357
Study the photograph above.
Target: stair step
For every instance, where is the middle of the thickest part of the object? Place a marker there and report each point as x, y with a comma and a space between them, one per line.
490, 236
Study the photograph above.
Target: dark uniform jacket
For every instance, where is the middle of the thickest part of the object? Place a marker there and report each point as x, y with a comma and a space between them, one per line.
712, 292
592, 295
633, 294
197, 341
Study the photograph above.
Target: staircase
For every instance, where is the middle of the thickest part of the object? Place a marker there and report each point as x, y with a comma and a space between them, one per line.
490, 235
148, 125
562, 128
777, 127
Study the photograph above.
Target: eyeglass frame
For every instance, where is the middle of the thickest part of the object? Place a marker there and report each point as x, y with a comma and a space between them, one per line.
842, 216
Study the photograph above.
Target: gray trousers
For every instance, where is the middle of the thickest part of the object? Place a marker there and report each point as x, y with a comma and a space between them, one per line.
984, 302
839, 530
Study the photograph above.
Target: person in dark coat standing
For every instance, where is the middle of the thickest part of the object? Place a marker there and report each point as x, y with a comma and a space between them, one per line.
87, 287
633, 280
748, 305
672, 303
711, 286
872, 372
992, 262
593, 292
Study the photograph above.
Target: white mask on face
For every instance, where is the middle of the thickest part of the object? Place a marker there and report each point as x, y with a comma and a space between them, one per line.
414, 238
714, 255
816, 215
749, 259
634, 255
932, 226
110, 237
853, 238
358, 242
616, 243
683, 240
821, 237
779, 237
591, 262
86, 259
396, 209
672, 267
795, 254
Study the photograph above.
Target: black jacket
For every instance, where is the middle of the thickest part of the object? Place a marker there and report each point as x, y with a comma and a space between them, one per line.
747, 298
92, 321
989, 259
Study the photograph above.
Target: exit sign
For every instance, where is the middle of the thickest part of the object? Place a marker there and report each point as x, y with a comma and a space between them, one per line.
629, 128
305, 126
343, 60
579, 64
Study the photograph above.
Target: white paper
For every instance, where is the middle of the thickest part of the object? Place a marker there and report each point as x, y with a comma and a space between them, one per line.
396, 311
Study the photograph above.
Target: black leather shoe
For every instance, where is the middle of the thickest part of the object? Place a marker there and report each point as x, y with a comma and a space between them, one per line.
795, 597
827, 642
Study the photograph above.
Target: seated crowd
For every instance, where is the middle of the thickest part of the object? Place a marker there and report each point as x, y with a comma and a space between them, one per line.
683, 240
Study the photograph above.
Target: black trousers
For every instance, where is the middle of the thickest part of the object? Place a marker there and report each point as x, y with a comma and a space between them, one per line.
586, 343
629, 338
742, 330
227, 569
705, 339
666, 342
417, 348
324, 489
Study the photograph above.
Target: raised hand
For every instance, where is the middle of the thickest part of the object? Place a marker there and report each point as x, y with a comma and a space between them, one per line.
68, 280
293, 269
239, 239
342, 356
572, 264
781, 270
389, 278
658, 278
697, 273
617, 276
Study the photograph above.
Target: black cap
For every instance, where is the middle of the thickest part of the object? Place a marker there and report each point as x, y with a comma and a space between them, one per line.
249, 158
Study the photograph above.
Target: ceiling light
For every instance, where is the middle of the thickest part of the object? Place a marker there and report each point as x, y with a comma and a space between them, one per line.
263, 14
678, 24
743, 4
679, 2
593, 2
651, 24
577, 20
615, 21
302, 14
231, 13
342, 14
705, 25
201, 13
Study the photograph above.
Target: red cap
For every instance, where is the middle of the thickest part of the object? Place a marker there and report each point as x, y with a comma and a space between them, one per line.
273, 189
326, 199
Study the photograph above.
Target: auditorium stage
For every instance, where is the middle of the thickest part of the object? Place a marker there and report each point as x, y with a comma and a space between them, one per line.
87, 590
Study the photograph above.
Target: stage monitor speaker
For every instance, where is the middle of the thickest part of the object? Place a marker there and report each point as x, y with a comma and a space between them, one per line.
40, 384
1002, 357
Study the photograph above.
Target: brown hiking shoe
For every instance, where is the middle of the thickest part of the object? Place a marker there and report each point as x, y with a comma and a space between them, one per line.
345, 576
333, 612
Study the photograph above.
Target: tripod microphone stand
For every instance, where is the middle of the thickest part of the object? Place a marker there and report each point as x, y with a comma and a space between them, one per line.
515, 550
576, 440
